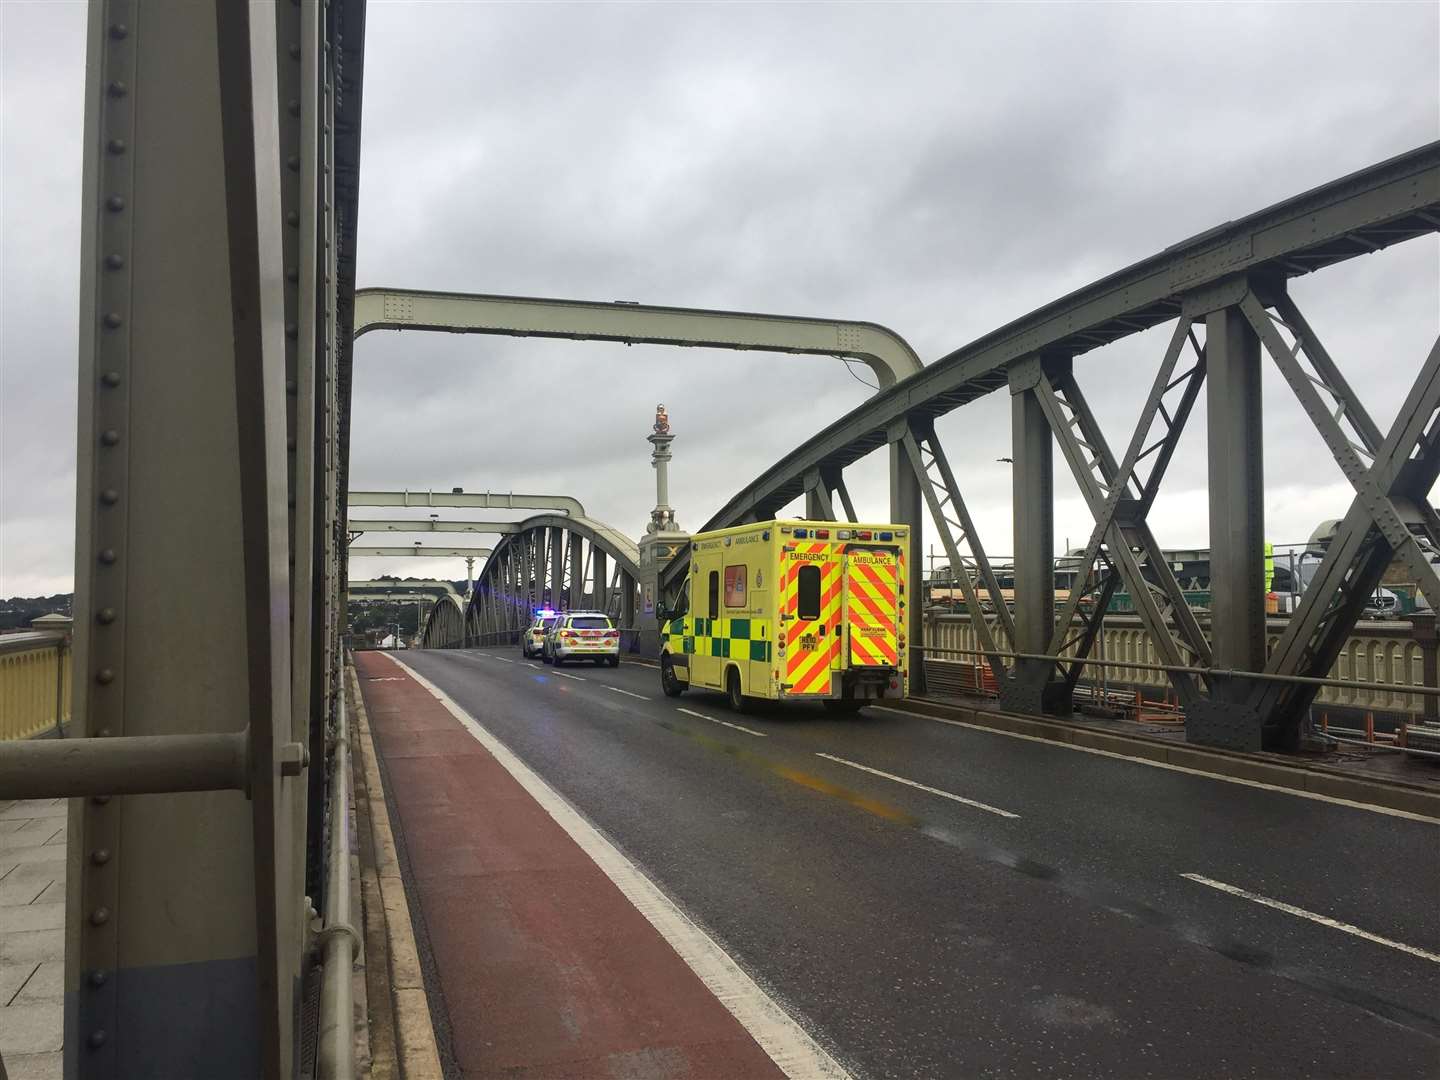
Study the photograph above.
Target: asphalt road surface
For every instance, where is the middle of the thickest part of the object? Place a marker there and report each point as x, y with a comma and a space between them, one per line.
933, 900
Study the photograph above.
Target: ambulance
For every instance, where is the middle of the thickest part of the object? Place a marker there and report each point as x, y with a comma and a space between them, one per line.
791, 610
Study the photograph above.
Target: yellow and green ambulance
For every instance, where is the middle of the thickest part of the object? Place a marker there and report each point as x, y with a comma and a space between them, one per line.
791, 610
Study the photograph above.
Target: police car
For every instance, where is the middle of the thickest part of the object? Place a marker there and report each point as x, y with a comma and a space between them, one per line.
582, 635
532, 639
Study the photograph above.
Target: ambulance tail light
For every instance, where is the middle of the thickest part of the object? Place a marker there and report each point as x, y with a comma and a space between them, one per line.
822, 534
866, 534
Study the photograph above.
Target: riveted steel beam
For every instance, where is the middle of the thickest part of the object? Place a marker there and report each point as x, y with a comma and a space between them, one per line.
886, 352
474, 500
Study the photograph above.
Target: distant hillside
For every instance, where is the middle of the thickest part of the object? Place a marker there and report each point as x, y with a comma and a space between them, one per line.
19, 610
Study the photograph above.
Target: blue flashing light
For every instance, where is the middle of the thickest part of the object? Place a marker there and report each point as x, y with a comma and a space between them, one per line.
887, 536
545, 613
801, 534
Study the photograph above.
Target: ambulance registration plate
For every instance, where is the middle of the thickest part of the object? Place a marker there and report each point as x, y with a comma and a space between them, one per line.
808, 642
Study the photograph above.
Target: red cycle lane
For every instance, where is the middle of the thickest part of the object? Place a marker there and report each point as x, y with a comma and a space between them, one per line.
544, 968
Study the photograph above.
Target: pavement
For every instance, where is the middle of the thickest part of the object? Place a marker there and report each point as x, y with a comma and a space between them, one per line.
32, 937
927, 898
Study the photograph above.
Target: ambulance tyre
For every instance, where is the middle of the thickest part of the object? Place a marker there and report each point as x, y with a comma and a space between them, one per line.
738, 702
669, 681
842, 705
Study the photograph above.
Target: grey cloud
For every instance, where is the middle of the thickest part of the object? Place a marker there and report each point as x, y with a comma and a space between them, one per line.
941, 169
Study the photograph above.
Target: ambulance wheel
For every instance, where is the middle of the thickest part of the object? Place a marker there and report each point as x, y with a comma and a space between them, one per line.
738, 702
669, 681
842, 705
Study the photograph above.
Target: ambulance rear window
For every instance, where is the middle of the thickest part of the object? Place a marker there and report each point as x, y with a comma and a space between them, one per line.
808, 593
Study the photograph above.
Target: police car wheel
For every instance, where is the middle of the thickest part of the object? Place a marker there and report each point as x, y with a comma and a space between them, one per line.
614, 661
669, 681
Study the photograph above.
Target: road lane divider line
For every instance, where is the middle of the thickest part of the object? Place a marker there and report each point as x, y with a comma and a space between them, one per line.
726, 723
1242, 781
502, 659
577, 678
922, 787
1323, 920
790, 1046
627, 693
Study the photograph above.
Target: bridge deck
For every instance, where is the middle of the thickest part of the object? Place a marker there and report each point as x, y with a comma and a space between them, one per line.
543, 966
860, 871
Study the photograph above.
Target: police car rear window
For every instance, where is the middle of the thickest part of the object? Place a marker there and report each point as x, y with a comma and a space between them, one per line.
590, 622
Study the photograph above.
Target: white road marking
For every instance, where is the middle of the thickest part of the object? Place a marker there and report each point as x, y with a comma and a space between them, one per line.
1316, 796
792, 1049
923, 787
727, 723
627, 693
577, 678
1290, 909
502, 659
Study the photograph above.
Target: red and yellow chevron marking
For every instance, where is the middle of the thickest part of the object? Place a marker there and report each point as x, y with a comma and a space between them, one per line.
808, 670
872, 612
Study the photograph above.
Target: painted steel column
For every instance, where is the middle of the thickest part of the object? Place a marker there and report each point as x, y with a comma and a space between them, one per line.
1237, 494
600, 598
628, 587
167, 973
577, 571
557, 569
1033, 509
907, 507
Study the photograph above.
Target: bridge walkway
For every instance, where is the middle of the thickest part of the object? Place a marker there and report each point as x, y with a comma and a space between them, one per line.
928, 898
33, 845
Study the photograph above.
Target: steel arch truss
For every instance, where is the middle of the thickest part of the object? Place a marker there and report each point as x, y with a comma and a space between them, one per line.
1230, 282
550, 560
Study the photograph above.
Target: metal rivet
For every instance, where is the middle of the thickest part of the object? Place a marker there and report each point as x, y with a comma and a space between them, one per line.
105, 676
291, 330
294, 52
97, 978
109, 496
107, 556
117, 89
111, 378
100, 856
292, 274
96, 1039
115, 204
116, 146
292, 219
100, 916
293, 163
290, 443
110, 437
293, 107
105, 616
103, 733
112, 319
292, 387
100, 800
119, 31
114, 261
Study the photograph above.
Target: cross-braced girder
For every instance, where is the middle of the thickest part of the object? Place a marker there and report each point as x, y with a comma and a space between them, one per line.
1388, 518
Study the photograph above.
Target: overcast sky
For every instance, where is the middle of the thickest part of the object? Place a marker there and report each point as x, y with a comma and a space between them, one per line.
940, 169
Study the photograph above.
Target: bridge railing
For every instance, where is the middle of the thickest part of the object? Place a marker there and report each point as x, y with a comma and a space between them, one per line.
1390, 656
34, 683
